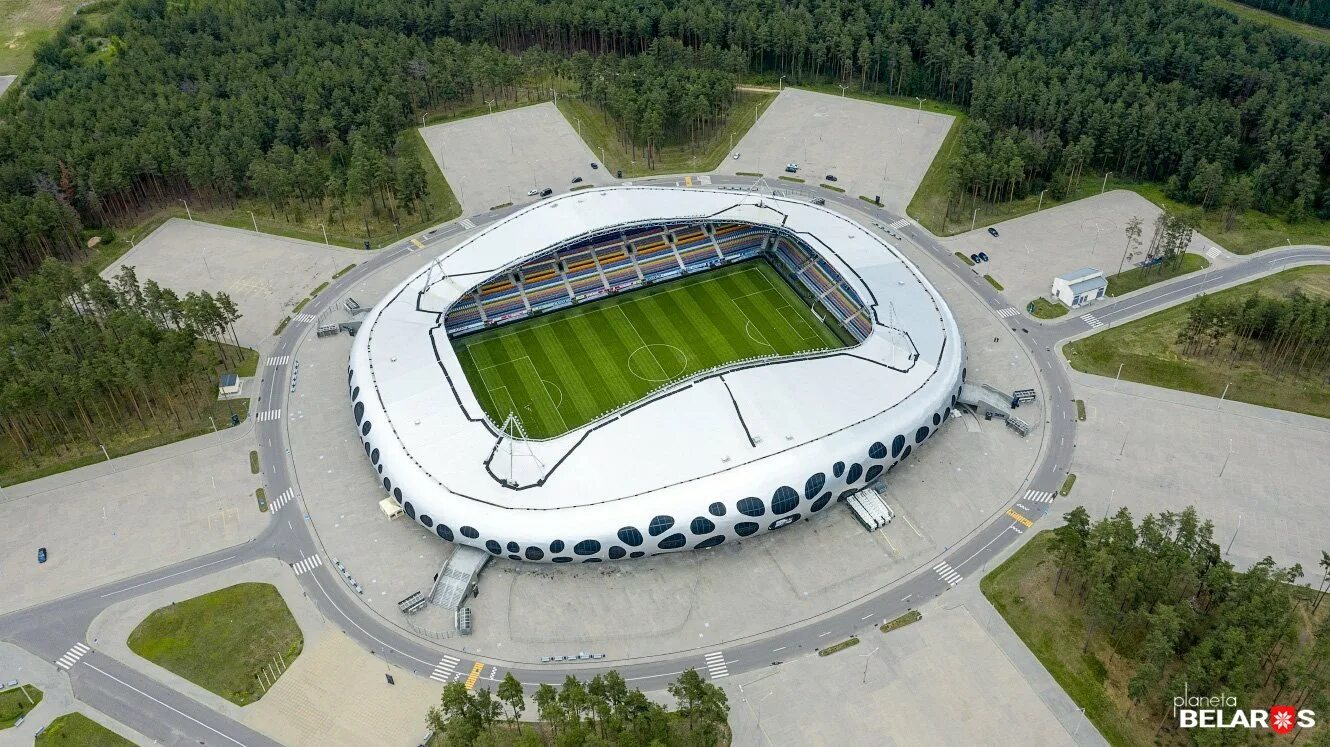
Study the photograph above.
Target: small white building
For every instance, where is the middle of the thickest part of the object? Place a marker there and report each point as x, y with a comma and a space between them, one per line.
1080, 287
228, 386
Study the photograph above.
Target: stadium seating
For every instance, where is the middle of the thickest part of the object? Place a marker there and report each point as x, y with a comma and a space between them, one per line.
616, 259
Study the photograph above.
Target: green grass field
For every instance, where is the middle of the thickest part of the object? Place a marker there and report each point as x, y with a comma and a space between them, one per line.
563, 370
80, 731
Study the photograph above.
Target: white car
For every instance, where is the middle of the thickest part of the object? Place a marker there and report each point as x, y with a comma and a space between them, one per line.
532, 192
736, 155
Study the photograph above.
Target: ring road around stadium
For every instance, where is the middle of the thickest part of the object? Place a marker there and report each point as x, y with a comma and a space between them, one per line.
629, 371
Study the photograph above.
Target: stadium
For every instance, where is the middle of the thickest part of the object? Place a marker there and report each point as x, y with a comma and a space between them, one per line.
622, 372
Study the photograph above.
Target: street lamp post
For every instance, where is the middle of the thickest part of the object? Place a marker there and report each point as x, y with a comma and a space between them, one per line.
1104, 186
842, 90
188, 214
1041, 201
253, 220
325, 232
491, 105
867, 658
781, 83
973, 218
919, 113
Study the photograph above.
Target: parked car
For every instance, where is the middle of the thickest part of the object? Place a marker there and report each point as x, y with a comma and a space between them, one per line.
546, 192
792, 167
735, 156
595, 165
532, 192
831, 177
819, 201
974, 258
983, 256
577, 179
992, 231
41, 555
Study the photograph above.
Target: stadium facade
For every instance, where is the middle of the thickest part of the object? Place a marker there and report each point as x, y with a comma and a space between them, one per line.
751, 447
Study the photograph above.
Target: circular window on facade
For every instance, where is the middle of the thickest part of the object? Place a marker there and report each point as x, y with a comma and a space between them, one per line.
586, 547
872, 473
784, 521
784, 500
660, 525
877, 451
355, 393
856, 471
563, 560
814, 484
364, 428
821, 502
937, 418
556, 546
359, 410
751, 507
534, 553
409, 509
387, 484
745, 528
838, 469
616, 552
673, 542
630, 536
710, 542
444, 532
374, 456
716, 509
920, 435
469, 532
897, 444
702, 525
514, 547
636, 554
426, 520
493, 547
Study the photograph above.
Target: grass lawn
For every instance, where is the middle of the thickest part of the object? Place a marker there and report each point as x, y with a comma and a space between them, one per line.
1148, 352
16, 467
562, 370
1309, 32
78, 730
221, 640
1139, 277
1045, 309
601, 136
16, 702
25, 24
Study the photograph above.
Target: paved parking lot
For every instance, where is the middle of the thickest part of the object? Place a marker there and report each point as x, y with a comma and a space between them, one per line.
111, 520
674, 601
1029, 251
942, 680
265, 275
1259, 474
873, 149
497, 158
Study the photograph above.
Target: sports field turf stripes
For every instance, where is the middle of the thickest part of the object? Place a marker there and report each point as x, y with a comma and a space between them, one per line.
565, 369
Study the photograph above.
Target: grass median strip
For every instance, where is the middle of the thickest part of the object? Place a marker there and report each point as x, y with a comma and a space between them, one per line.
16, 703
1067, 485
835, 647
993, 282
913, 616
80, 731
229, 642
344, 270
961, 256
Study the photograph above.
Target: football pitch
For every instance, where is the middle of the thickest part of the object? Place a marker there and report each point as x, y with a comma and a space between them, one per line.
559, 371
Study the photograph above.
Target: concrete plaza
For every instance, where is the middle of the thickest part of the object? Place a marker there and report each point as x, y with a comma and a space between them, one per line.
872, 149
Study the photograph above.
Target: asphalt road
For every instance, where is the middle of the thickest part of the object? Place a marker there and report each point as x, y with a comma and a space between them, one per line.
170, 717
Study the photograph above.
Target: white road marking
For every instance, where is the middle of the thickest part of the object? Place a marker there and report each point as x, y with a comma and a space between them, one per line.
899, 224
1039, 496
158, 702
1007, 313
307, 564
1091, 320
949, 575
280, 360
267, 415
716, 665
72, 656
444, 669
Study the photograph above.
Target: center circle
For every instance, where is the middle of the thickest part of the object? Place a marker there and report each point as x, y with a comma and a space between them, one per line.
657, 362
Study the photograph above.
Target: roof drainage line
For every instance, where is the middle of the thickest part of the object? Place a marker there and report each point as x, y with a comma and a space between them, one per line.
738, 412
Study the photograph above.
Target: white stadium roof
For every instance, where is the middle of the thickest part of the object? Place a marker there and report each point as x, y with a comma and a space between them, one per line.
730, 434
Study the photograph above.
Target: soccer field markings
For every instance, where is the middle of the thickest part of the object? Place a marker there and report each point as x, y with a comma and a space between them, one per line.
480, 370
683, 362
642, 340
781, 306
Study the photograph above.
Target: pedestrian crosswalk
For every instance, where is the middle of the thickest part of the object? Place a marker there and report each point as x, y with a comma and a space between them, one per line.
307, 565
1007, 313
280, 360
443, 671
305, 318
267, 415
474, 676
948, 574
282, 500
1039, 496
716, 665
466, 223
1091, 320
73, 655
899, 224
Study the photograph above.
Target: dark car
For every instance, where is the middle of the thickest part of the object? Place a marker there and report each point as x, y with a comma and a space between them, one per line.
974, 258
595, 165
546, 192
819, 201
831, 177
983, 256
577, 179
41, 555
992, 231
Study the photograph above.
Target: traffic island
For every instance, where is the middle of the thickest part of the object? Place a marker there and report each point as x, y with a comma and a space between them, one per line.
913, 616
837, 647
78, 730
16, 703
234, 642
